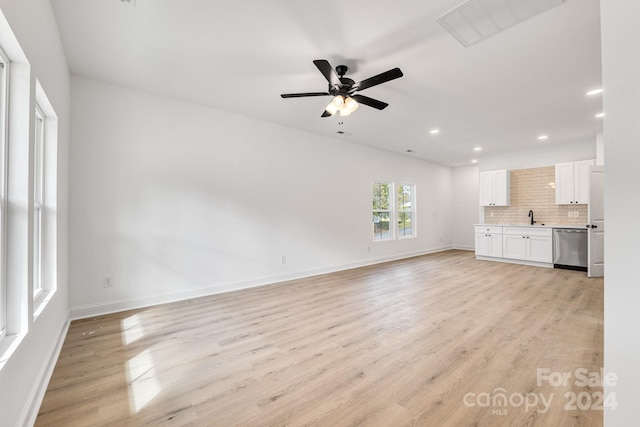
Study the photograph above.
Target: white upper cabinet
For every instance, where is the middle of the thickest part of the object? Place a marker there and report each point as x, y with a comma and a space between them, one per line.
494, 188
572, 182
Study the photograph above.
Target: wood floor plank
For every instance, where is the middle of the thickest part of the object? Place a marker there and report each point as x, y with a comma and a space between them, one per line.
404, 343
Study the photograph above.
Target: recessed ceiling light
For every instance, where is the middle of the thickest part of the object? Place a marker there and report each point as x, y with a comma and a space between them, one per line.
594, 92
599, 115
434, 131
477, 148
474, 161
543, 137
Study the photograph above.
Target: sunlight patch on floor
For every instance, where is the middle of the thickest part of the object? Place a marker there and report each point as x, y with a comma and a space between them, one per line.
132, 329
143, 381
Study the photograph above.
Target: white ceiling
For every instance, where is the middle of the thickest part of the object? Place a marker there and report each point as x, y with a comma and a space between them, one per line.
240, 55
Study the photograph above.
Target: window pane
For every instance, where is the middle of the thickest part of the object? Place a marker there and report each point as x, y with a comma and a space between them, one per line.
37, 250
381, 226
405, 197
38, 183
381, 196
404, 224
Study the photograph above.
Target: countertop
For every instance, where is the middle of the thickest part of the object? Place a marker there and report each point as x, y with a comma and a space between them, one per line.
542, 225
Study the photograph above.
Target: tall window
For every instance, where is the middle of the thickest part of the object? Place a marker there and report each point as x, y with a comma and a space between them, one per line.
382, 210
393, 204
404, 209
4, 65
38, 198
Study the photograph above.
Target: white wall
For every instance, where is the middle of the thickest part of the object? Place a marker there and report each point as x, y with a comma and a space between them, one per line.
465, 206
24, 377
621, 82
540, 155
175, 200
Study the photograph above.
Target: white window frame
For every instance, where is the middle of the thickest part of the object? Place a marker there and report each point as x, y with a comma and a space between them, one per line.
43, 267
390, 211
394, 212
402, 209
4, 100
38, 201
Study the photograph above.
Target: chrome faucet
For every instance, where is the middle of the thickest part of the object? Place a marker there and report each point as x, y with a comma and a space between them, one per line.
531, 216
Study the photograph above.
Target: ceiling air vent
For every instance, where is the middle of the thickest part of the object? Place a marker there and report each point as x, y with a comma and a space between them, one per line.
476, 20
129, 2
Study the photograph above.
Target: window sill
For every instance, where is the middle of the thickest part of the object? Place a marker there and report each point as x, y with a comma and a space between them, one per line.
40, 302
8, 346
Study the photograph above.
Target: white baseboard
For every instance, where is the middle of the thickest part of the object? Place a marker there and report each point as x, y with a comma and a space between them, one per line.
465, 248
515, 261
32, 405
99, 309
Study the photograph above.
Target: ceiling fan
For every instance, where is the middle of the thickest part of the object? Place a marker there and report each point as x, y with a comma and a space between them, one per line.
343, 89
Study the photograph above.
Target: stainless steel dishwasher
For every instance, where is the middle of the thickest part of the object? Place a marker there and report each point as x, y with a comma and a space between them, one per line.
570, 246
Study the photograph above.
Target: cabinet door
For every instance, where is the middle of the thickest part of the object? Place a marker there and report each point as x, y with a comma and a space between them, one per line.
501, 188
495, 249
483, 245
514, 247
564, 183
540, 249
581, 181
486, 188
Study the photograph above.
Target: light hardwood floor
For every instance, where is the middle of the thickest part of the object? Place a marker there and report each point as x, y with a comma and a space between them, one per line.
405, 343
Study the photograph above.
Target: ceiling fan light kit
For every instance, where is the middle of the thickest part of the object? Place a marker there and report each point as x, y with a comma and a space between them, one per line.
343, 89
346, 106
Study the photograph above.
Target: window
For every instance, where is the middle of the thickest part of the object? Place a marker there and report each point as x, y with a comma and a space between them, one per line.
44, 209
404, 209
382, 210
38, 198
393, 204
4, 65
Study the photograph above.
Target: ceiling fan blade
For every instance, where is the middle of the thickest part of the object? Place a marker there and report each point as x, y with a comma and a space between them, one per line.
328, 72
300, 95
325, 113
379, 105
379, 79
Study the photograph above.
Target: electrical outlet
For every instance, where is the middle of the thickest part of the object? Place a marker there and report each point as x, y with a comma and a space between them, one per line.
570, 214
284, 259
576, 214
107, 282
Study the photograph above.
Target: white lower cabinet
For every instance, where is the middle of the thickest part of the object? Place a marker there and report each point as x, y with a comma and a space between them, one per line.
489, 241
514, 247
528, 244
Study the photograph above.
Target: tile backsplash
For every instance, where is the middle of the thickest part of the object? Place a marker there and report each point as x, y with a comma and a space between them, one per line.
534, 189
